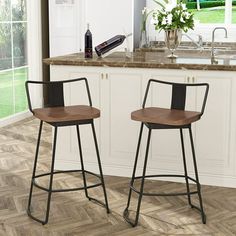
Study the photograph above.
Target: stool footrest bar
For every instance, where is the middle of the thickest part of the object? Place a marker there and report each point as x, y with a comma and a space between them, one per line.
68, 189
162, 194
165, 176
67, 171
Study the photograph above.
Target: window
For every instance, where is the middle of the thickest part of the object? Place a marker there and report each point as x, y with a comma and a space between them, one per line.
13, 57
213, 11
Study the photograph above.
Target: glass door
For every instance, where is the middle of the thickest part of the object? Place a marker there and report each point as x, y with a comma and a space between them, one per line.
13, 57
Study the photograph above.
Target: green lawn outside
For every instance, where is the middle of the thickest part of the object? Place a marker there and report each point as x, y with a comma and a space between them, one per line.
212, 15
8, 87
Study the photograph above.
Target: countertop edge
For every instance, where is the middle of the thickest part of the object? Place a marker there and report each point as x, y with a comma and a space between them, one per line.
143, 65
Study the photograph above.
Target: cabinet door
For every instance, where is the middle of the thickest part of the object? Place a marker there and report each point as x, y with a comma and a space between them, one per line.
75, 94
108, 18
214, 132
121, 94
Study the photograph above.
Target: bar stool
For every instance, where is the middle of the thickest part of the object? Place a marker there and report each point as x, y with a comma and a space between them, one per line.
161, 118
59, 115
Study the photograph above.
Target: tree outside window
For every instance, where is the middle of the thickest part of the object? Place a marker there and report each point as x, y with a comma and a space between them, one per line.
13, 56
213, 11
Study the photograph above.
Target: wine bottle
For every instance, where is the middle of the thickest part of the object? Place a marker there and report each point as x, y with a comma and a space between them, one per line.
110, 44
88, 42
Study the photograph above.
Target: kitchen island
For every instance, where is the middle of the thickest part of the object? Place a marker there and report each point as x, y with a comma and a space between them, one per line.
117, 85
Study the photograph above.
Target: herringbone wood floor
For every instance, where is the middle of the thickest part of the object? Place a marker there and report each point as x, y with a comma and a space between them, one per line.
72, 214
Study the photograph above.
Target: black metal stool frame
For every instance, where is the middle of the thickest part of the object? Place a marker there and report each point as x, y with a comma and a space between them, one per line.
178, 102
54, 101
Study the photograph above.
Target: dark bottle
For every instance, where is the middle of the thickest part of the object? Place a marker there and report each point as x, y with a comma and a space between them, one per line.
88, 42
110, 44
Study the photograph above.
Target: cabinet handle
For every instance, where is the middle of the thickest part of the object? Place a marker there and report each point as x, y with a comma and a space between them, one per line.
193, 79
106, 76
102, 76
188, 79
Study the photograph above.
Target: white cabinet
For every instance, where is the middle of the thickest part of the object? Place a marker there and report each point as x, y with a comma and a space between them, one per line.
67, 145
215, 133
115, 93
119, 91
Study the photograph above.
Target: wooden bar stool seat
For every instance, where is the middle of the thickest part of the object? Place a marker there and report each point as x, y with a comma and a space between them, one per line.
68, 113
165, 116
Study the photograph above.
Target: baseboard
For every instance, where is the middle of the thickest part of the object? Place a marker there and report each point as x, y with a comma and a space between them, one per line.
14, 118
126, 171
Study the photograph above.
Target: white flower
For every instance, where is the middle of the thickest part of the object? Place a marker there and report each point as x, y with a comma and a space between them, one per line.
169, 19
173, 16
183, 6
182, 19
178, 12
163, 21
187, 15
154, 21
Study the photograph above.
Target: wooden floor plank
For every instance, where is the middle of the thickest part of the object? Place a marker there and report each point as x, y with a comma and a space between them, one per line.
72, 214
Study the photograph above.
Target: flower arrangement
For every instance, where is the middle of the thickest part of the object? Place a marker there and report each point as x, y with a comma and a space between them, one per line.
173, 16
146, 12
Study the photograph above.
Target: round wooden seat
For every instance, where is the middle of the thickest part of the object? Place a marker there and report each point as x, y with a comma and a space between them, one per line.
67, 113
163, 116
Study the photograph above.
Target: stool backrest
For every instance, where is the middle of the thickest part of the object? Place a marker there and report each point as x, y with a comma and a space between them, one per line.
55, 92
178, 94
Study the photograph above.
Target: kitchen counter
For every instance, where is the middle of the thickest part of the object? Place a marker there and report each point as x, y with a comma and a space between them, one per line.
117, 84
187, 59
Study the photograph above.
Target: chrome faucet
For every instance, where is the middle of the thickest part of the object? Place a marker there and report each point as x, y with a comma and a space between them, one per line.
198, 44
213, 41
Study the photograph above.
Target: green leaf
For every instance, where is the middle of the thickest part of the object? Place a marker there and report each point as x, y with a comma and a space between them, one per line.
160, 4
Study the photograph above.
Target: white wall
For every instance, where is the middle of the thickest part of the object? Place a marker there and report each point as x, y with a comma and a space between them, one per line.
65, 27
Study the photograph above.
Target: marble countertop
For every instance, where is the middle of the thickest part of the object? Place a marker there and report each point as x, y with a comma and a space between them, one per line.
157, 58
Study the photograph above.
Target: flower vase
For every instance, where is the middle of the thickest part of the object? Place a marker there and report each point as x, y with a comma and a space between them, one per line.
143, 42
172, 40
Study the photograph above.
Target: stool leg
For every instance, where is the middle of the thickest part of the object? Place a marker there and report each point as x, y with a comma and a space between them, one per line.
100, 168
185, 166
34, 168
51, 177
197, 179
143, 177
82, 162
133, 175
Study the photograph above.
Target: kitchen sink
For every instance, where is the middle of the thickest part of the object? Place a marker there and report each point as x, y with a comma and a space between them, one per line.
189, 54
226, 54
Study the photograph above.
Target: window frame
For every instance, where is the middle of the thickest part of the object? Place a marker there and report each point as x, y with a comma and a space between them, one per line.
34, 54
